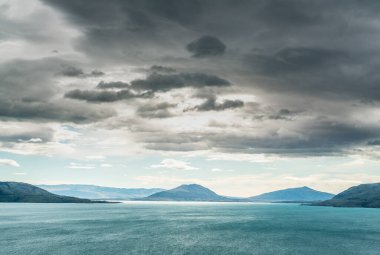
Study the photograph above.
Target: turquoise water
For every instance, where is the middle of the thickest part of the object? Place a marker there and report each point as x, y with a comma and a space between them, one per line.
183, 228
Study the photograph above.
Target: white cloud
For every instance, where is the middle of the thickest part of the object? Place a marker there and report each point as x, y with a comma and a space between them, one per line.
31, 140
80, 166
174, 164
20, 173
106, 165
9, 162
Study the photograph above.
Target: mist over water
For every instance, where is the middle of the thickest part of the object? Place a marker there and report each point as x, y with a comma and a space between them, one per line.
187, 228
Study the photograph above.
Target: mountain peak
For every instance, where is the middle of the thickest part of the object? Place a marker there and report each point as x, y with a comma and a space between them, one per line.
187, 192
192, 186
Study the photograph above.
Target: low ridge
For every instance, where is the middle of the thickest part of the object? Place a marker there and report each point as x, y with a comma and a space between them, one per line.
98, 192
27, 193
301, 194
364, 195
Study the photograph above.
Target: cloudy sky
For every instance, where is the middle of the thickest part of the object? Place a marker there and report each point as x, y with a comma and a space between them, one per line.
241, 96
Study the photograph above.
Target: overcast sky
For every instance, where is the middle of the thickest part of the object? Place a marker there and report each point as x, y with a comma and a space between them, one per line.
241, 96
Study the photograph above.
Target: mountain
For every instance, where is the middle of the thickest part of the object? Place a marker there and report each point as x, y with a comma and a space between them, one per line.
98, 192
364, 195
301, 194
26, 193
190, 192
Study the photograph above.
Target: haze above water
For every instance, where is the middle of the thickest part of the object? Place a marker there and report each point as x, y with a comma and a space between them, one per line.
187, 228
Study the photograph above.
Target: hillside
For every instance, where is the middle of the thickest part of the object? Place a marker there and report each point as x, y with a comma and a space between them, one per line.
191, 192
301, 194
26, 193
364, 195
98, 192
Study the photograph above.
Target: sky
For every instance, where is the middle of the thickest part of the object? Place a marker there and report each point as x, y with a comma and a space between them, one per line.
241, 96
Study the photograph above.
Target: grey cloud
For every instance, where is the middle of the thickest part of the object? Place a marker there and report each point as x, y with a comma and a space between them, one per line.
145, 88
96, 73
261, 112
29, 79
14, 136
206, 46
53, 111
284, 114
161, 69
72, 71
160, 110
212, 105
165, 82
104, 96
112, 84
314, 139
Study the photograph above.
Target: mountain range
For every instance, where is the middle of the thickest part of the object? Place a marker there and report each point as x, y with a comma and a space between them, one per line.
365, 195
195, 192
98, 192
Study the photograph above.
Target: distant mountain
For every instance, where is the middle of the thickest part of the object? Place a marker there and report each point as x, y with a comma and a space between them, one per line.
301, 194
98, 192
26, 193
364, 195
190, 192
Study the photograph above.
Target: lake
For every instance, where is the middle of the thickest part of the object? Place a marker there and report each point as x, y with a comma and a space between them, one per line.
187, 228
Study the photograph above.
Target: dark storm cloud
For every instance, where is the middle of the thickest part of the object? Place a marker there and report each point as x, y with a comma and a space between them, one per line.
116, 29
314, 139
95, 96
161, 69
28, 90
374, 143
300, 59
112, 85
212, 105
316, 72
165, 82
317, 56
160, 110
206, 46
317, 48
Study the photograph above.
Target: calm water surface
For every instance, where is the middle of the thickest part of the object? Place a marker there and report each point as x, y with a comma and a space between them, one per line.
187, 228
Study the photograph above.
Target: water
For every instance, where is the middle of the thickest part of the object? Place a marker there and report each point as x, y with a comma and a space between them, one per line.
187, 228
